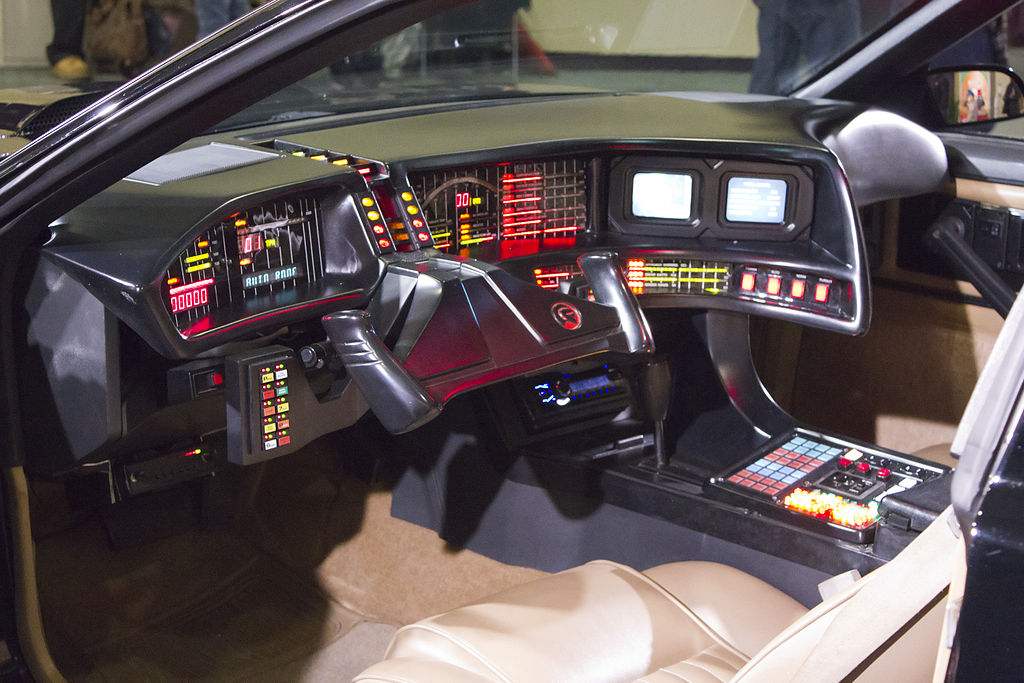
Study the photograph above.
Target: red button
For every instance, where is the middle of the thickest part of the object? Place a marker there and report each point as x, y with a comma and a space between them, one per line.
774, 285
798, 289
268, 394
821, 293
863, 467
284, 441
883, 473
844, 462
747, 282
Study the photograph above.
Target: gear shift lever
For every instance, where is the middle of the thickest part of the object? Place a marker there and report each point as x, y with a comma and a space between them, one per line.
654, 384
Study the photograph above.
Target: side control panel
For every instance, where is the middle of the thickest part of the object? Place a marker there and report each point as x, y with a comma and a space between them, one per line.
271, 409
826, 483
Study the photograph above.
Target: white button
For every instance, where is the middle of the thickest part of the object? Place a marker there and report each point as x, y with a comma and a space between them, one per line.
853, 454
908, 482
269, 445
281, 374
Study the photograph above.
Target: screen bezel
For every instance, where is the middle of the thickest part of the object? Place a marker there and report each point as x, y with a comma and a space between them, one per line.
708, 210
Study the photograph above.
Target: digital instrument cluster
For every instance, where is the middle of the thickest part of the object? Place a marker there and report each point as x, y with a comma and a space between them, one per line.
266, 252
505, 210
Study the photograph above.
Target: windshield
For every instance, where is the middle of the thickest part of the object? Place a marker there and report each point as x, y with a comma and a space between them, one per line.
519, 48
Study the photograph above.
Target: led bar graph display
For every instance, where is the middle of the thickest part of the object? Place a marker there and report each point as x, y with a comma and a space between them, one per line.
504, 210
677, 276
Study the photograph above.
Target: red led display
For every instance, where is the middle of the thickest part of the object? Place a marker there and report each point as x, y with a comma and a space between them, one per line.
192, 295
747, 282
798, 289
247, 244
774, 285
821, 293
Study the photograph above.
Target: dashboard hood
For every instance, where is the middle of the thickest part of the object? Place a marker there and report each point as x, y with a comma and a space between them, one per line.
31, 111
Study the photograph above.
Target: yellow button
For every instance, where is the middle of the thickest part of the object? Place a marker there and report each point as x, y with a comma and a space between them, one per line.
407, 196
272, 427
372, 215
367, 201
412, 210
283, 408
269, 377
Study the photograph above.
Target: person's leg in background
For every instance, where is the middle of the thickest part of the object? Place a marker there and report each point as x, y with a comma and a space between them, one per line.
65, 52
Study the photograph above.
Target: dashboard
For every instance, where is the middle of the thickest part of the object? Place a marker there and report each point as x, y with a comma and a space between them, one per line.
239, 242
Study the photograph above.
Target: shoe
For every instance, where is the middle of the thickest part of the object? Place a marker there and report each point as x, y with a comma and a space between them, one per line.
70, 68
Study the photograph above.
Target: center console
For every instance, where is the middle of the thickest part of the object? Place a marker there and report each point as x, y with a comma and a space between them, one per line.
828, 484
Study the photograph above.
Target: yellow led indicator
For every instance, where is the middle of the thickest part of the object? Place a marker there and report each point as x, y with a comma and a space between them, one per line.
202, 243
173, 281
298, 154
319, 157
407, 196
412, 210
193, 269
245, 262
367, 201
477, 200
197, 257
340, 162
240, 223
372, 215
271, 242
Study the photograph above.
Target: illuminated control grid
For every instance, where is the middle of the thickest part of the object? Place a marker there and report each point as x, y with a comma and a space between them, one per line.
833, 486
276, 422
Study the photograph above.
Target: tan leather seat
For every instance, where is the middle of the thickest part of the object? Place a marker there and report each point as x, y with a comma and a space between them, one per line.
687, 621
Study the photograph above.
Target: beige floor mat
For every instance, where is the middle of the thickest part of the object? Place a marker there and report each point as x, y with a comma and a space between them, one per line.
201, 606
317, 519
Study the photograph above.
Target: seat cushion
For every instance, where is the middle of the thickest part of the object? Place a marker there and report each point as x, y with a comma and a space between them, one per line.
743, 610
599, 622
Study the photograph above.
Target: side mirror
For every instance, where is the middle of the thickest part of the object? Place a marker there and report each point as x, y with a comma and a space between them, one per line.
966, 95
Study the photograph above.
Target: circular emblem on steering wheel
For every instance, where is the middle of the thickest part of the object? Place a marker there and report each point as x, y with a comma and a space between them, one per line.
567, 315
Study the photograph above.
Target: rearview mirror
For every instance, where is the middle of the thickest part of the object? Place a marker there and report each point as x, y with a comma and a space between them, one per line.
966, 95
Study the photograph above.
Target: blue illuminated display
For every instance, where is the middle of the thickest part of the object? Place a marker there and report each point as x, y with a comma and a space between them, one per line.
756, 200
268, 277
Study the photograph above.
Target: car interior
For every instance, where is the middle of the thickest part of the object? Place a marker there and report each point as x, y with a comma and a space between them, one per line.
560, 386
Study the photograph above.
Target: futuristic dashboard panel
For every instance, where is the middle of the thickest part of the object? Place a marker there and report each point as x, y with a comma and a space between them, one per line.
211, 267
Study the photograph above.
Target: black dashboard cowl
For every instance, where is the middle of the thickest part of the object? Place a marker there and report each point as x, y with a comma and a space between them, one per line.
886, 156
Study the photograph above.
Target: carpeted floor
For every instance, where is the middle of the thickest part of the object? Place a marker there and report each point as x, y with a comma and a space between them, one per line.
307, 581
